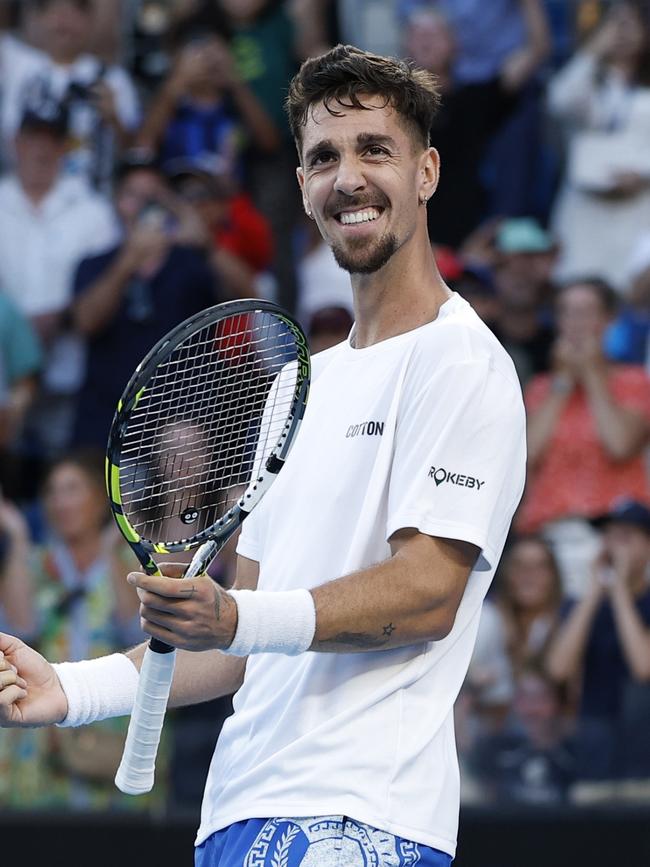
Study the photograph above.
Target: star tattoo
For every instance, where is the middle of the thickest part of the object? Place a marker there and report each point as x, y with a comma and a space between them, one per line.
388, 630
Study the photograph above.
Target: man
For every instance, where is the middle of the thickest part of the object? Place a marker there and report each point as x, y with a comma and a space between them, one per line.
603, 644
102, 101
49, 222
383, 548
130, 296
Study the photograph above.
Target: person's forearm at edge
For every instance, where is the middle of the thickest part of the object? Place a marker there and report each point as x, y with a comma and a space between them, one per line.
99, 302
543, 421
159, 115
632, 631
566, 652
262, 129
622, 433
16, 586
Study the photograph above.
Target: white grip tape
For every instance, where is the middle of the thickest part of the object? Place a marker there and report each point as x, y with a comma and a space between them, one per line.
135, 774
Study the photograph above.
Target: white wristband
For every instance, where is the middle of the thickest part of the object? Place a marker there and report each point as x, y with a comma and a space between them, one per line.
282, 622
97, 688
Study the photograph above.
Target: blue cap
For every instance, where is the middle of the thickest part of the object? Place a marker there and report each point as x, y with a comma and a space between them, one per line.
626, 511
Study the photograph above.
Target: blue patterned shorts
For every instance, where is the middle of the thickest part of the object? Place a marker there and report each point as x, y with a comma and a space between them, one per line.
323, 841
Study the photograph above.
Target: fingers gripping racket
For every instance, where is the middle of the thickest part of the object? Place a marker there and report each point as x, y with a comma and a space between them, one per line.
202, 429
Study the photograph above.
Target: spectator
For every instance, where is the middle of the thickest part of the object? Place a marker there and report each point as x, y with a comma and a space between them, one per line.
20, 362
85, 610
533, 761
604, 644
628, 339
321, 280
529, 594
469, 115
48, 223
17, 606
102, 101
205, 109
237, 237
267, 39
129, 297
370, 24
602, 98
521, 256
476, 285
488, 689
500, 47
587, 429
525, 258
19, 63
327, 327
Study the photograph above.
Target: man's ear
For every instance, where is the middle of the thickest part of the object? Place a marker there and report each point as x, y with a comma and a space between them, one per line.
429, 174
301, 183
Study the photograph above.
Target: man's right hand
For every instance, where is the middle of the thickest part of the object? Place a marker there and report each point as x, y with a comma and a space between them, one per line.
145, 248
30, 692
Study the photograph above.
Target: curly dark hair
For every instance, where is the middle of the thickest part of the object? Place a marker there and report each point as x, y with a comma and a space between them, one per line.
345, 74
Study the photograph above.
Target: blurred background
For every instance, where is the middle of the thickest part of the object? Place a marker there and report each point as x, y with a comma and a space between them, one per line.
148, 172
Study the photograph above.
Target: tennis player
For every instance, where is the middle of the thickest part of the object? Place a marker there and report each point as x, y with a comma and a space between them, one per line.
362, 573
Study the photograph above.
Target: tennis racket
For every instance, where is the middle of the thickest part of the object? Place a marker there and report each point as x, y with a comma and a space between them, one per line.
202, 430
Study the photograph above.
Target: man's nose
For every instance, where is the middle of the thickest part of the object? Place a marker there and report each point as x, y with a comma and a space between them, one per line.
349, 177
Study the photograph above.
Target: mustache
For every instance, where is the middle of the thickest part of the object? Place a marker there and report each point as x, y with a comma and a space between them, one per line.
343, 203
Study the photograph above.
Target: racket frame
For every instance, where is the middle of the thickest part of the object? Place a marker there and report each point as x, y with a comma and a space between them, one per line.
136, 772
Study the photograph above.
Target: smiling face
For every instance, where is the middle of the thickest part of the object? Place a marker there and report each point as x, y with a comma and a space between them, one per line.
531, 579
75, 503
363, 179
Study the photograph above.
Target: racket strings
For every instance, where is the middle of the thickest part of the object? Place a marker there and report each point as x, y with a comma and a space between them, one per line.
207, 421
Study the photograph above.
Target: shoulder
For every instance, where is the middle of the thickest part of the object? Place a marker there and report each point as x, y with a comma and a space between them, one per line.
75, 191
10, 191
458, 345
321, 360
459, 336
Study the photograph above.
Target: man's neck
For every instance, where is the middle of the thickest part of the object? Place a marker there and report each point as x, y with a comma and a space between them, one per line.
62, 58
37, 193
405, 294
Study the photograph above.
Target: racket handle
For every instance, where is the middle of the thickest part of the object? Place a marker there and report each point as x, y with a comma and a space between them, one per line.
135, 774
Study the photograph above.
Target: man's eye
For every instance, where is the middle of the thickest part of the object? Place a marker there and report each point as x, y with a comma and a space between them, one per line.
376, 151
321, 158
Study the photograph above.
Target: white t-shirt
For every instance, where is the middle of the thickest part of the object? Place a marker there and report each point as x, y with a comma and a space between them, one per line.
423, 430
40, 248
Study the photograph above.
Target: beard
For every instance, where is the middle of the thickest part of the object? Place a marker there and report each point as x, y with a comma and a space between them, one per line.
367, 258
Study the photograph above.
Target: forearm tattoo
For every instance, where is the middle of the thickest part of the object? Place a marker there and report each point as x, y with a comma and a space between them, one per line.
359, 640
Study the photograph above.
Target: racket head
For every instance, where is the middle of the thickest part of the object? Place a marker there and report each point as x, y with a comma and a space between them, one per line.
204, 425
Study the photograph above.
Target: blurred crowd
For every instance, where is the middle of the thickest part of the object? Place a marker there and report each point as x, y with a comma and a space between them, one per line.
148, 172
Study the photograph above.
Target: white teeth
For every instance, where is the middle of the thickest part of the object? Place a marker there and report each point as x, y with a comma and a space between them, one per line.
359, 216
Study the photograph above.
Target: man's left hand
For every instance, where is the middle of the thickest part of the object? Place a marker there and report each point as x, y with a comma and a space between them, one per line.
191, 614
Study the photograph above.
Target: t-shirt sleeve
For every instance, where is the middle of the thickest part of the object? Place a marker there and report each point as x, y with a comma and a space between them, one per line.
459, 458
